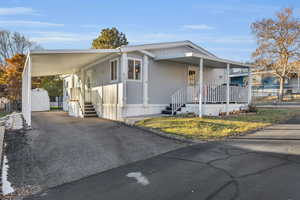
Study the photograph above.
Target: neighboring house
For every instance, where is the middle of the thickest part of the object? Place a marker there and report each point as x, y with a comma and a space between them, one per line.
140, 80
239, 76
265, 82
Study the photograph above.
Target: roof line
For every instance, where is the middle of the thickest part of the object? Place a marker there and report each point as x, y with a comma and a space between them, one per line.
218, 59
167, 44
67, 51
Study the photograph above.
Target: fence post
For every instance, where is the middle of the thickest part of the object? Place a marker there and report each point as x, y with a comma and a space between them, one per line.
249, 86
227, 89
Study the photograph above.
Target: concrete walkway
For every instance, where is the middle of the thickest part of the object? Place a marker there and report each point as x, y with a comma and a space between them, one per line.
60, 149
260, 166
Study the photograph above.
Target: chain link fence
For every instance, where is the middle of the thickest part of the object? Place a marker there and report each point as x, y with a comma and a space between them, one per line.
270, 95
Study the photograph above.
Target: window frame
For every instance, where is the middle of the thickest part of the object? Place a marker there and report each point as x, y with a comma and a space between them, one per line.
117, 70
141, 70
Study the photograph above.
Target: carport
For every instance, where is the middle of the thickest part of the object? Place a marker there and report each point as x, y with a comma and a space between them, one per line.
56, 62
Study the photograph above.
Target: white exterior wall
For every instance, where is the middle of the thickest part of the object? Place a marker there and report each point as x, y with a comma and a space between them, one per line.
164, 78
66, 91
174, 51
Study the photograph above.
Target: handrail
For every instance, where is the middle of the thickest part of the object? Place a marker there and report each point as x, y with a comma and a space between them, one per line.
211, 93
179, 98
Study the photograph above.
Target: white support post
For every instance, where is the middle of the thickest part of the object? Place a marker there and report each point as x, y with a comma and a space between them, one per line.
29, 92
82, 76
249, 86
200, 87
24, 83
26, 91
227, 88
124, 69
82, 102
145, 69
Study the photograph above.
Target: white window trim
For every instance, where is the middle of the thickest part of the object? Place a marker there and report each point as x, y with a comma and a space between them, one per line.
141, 73
117, 79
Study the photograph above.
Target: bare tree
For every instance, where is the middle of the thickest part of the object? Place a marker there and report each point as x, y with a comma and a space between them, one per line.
12, 43
278, 43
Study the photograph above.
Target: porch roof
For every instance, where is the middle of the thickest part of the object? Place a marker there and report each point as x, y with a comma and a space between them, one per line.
57, 62
193, 59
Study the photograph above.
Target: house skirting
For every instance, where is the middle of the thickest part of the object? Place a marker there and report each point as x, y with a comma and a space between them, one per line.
132, 110
212, 109
116, 111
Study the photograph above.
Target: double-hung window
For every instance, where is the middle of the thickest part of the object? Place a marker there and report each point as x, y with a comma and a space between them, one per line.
134, 69
114, 70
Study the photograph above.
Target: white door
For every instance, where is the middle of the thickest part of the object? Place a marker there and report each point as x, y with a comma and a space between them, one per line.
88, 86
192, 90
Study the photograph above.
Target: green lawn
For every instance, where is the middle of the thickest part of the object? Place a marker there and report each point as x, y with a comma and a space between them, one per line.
2, 114
215, 127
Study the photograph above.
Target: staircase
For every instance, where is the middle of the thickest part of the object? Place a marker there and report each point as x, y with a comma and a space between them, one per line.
168, 110
89, 110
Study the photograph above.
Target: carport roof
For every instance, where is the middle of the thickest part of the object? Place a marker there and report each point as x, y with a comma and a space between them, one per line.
56, 62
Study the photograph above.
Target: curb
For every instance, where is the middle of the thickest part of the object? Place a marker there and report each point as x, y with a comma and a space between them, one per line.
192, 141
163, 134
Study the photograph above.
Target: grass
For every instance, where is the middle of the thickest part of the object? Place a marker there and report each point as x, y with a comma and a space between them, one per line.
55, 108
215, 127
2, 114
272, 99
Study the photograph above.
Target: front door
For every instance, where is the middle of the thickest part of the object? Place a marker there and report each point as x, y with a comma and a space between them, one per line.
88, 85
192, 90
192, 76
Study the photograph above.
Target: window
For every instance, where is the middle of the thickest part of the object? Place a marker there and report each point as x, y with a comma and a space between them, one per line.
113, 70
134, 69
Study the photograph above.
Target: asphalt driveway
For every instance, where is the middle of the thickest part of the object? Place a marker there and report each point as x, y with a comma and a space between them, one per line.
260, 166
61, 149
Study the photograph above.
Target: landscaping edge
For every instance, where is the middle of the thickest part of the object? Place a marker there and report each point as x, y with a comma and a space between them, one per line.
193, 140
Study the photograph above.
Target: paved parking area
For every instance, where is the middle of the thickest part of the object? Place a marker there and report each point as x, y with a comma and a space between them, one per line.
260, 166
60, 149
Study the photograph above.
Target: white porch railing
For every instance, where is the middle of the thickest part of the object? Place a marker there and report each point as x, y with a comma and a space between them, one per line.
211, 94
179, 98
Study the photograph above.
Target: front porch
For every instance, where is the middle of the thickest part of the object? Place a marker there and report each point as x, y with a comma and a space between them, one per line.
206, 95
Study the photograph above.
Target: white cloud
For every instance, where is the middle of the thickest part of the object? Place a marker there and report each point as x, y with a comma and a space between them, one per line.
54, 37
16, 11
198, 27
28, 23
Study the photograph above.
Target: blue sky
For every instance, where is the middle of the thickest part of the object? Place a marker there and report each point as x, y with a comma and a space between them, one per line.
220, 26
